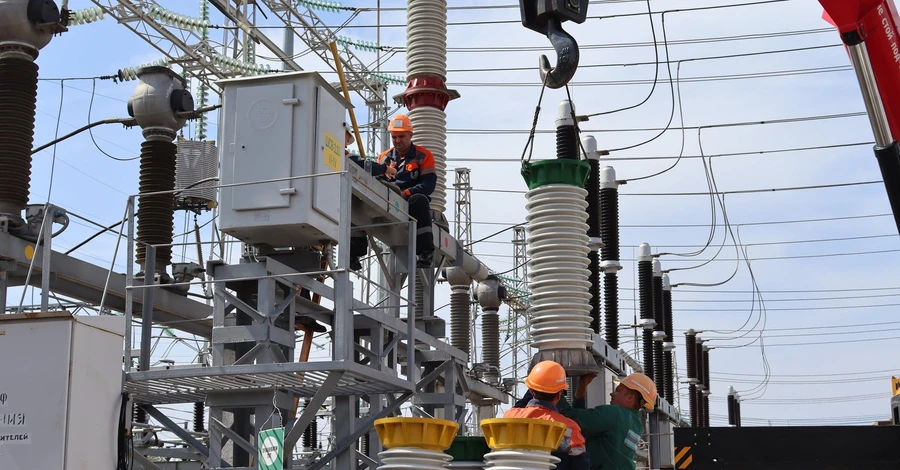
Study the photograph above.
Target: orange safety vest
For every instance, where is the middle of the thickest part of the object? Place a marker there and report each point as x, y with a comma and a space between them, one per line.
572, 442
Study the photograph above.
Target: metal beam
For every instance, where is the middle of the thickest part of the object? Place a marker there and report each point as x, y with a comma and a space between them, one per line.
248, 27
83, 281
184, 47
176, 429
362, 429
309, 413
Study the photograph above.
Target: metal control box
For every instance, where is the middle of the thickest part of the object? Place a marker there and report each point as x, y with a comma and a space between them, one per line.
276, 127
60, 391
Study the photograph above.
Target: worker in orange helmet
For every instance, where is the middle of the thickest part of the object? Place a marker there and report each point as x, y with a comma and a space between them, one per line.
546, 383
411, 168
613, 431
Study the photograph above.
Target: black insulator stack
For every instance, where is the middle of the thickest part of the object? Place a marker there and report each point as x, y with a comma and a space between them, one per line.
692, 402
594, 206
18, 93
690, 353
611, 293
737, 413
365, 444
609, 233
706, 409
609, 227
732, 413
140, 416
490, 338
706, 368
460, 318
698, 359
668, 366
311, 435
199, 419
706, 384
156, 213
645, 292
701, 409
658, 362
595, 289
690, 357
566, 142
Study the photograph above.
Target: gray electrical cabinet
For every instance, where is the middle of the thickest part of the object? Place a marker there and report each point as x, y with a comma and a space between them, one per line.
287, 128
60, 391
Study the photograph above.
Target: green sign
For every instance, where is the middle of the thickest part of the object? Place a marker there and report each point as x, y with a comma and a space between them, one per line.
271, 449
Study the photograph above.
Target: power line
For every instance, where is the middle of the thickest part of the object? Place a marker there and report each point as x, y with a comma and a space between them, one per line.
645, 63
805, 299
481, 7
597, 17
782, 309
746, 224
698, 79
672, 157
821, 117
737, 191
621, 45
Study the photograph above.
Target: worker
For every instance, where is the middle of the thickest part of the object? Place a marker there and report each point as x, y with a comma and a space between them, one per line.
612, 431
546, 383
411, 168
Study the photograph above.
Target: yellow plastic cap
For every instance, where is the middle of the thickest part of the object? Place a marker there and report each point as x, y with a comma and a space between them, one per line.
523, 433
422, 433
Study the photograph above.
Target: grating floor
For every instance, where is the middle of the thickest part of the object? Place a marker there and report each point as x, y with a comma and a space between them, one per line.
188, 385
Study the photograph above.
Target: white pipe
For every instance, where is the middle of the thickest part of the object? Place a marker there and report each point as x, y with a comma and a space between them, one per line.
474, 268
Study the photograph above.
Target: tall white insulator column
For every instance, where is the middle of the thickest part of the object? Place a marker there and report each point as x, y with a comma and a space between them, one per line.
516, 459
405, 458
558, 271
427, 96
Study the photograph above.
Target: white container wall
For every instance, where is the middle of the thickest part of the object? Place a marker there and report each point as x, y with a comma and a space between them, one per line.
60, 391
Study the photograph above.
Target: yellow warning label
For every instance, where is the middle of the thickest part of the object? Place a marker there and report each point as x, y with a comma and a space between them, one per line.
333, 152
895, 382
683, 457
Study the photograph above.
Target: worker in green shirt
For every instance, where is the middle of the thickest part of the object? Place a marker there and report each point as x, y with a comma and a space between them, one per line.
612, 431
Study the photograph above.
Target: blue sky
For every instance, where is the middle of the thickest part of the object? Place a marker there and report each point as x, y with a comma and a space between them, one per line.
836, 382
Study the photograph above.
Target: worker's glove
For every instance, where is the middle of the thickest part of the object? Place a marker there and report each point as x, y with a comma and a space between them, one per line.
566, 443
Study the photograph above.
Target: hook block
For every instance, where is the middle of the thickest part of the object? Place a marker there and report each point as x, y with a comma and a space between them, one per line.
537, 13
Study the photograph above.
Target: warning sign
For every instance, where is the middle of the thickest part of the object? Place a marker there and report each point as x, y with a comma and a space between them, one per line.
271, 449
333, 150
895, 382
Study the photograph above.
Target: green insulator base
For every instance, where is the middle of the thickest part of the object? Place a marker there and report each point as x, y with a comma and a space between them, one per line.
543, 172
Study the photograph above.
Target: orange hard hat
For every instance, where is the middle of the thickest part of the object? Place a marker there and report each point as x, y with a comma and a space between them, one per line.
547, 377
400, 123
643, 385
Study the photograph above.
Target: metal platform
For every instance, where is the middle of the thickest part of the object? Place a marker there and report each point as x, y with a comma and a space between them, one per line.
303, 379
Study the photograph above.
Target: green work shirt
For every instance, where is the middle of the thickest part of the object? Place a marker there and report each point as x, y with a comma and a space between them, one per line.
611, 431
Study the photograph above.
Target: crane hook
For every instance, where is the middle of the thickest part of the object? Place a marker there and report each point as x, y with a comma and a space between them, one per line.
566, 57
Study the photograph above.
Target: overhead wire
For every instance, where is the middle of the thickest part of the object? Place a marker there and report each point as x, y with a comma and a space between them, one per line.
91, 132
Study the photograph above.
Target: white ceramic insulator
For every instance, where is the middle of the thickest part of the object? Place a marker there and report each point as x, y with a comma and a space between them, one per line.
426, 39
558, 270
514, 459
407, 458
430, 131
